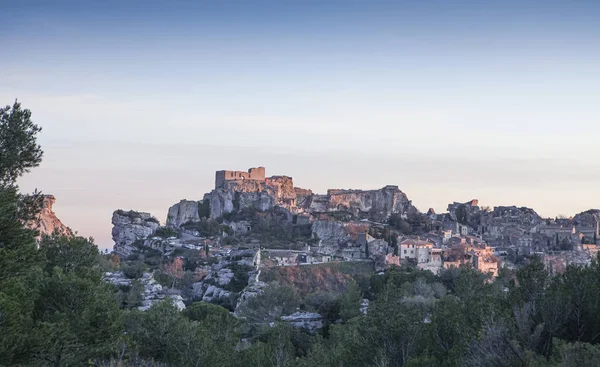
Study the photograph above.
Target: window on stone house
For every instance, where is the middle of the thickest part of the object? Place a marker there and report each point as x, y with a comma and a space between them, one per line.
405, 251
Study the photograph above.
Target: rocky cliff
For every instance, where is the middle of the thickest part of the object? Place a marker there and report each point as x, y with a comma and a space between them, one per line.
236, 195
183, 212
129, 227
47, 222
372, 204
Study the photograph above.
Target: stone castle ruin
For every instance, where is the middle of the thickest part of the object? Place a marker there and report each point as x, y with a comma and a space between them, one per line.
235, 190
254, 174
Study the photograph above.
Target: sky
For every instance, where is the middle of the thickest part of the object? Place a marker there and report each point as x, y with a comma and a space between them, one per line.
141, 101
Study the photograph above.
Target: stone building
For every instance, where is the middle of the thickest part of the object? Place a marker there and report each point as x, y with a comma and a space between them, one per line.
555, 230
254, 173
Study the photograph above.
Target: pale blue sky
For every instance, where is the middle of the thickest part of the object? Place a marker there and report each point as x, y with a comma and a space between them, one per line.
142, 101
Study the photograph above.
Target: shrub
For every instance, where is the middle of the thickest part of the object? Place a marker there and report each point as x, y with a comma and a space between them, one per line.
166, 232
134, 270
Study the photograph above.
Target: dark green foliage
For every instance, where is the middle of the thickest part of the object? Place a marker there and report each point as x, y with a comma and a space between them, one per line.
208, 227
200, 311
350, 302
461, 214
399, 223
130, 297
134, 270
275, 301
166, 232
204, 209
240, 277
19, 150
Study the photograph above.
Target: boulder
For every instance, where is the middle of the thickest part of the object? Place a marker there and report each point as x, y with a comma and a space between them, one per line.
130, 227
214, 293
305, 320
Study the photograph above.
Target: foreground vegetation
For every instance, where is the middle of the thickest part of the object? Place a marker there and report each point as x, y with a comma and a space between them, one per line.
55, 309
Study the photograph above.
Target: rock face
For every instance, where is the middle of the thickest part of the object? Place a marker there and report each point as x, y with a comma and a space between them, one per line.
47, 222
372, 204
329, 231
152, 293
183, 212
234, 195
129, 227
305, 320
236, 190
215, 286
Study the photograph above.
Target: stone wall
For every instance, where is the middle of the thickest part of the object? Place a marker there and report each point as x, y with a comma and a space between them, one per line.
254, 173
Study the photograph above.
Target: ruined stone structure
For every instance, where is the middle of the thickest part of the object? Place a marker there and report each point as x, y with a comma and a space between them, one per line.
254, 173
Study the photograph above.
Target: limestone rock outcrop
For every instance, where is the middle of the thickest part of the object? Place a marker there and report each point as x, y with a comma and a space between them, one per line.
216, 286
152, 293
236, 190
372, 204
130, 227
47, 222
308, 321
329, 232
183, 212
233, 196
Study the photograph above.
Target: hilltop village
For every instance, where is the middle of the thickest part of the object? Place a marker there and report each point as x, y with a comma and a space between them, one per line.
266, 222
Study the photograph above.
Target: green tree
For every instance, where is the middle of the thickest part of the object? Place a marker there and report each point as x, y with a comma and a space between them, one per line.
275, 301
449, 331
20, 263
350, 302
76, 315
164, 334
18, 146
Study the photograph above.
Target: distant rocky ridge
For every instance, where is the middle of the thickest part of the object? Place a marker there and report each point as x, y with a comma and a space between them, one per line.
47, 222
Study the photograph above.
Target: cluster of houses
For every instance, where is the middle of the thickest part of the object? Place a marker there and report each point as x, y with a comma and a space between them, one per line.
484, 238
520, 230
422, 252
